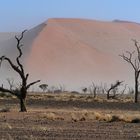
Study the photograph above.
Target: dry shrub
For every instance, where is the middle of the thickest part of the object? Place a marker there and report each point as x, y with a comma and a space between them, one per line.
86, 115
75, 117
90, 116
98, 116
119, 118
97, 99
114, 118
107, 117
125, 118
102, 117
53, 116
50, 96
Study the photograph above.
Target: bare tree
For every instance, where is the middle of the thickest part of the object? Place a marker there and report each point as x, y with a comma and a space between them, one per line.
93, 89
43, 87
114, 88
21, 92
134, 60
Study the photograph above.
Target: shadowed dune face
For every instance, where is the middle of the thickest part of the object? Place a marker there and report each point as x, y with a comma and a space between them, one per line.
75, 52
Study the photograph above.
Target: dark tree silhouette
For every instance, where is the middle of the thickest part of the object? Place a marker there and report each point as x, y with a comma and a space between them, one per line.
21, 92
134, 60
84, 90
43, 87
113, 87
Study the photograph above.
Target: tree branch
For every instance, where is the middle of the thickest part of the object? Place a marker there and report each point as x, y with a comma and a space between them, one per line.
129, 59
28, 86
9, 91
137, 47
118, 83
10, 62
19, 49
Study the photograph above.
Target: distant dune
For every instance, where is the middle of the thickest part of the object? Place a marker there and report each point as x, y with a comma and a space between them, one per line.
75, 52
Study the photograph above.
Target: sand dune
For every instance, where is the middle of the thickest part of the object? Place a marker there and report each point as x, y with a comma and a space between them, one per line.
75, 52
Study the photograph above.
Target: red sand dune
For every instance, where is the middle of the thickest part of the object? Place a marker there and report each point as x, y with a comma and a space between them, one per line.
75, 52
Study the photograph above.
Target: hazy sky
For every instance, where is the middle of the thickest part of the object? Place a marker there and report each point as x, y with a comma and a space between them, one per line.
17, 15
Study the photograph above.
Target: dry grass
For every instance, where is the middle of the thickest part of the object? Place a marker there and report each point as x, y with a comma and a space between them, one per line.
93, 116
75, 113
78, 97
54, 116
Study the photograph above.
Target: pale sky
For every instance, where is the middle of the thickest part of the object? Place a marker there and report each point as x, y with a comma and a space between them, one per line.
17, 15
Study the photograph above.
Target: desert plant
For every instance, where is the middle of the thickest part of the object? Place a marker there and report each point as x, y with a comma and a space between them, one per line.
43, 87
134, 61
84, 90
114, 88
21, 91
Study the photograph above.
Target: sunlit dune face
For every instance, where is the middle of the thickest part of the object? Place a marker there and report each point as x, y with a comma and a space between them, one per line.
76, 52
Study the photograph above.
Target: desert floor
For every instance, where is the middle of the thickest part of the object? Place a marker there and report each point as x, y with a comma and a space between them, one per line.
69, 117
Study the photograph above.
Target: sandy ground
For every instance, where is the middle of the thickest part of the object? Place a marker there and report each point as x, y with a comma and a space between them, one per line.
60, 117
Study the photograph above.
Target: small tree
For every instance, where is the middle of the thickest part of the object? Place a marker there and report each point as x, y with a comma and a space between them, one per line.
114, 88
21, 92
134, 60
84, 90
43, 87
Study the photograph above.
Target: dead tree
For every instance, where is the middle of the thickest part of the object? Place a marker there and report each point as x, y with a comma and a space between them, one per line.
93, 89
21, 92
134, 60
113, 87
